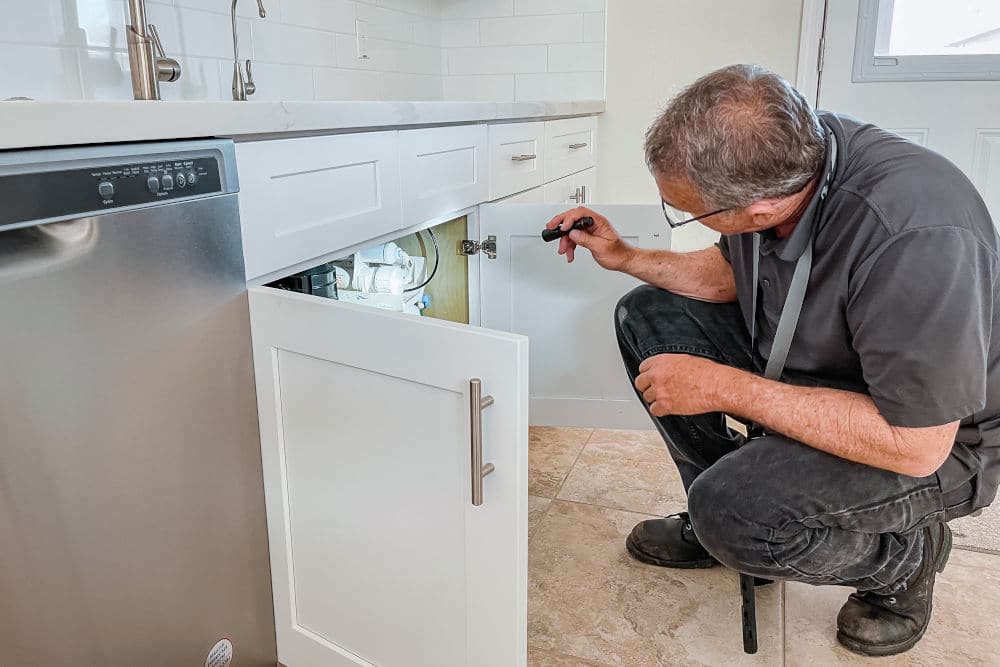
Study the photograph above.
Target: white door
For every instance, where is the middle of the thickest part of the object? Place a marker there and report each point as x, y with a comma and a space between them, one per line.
870, 63
378, 556
565, 310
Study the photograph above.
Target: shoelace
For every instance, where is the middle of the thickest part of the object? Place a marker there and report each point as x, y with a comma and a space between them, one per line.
683, 516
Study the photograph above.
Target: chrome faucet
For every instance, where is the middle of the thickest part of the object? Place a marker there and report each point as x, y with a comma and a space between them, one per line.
147, 69
243, 87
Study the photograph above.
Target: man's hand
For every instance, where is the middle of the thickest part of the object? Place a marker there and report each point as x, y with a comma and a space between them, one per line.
603, 242
680, 384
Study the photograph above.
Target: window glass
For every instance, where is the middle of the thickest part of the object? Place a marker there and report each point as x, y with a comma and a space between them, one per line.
937, 27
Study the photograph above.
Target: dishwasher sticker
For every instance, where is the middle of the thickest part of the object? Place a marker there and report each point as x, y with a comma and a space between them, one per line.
221, 654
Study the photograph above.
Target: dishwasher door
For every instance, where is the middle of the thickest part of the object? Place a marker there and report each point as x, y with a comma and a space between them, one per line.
132, 528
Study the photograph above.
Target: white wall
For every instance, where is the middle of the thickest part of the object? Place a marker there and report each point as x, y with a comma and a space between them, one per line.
523, 50
655, 47
308, 49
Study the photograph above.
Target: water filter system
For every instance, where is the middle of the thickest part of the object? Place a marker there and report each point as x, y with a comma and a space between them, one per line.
380, 276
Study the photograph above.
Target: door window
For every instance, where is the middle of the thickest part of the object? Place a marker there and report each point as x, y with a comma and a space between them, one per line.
914, 40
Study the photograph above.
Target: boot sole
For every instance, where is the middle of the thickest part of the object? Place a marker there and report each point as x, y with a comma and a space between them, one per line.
643, 557
901, 647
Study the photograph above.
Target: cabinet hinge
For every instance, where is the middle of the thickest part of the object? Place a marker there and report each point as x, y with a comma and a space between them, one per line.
470, 247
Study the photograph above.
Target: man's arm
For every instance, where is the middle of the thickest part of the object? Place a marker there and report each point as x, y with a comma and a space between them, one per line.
704, 275
841, 423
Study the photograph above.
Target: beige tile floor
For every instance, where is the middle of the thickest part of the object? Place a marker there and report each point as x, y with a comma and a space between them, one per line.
590, 605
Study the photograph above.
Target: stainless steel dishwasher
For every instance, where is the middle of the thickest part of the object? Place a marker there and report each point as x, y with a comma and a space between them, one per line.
132, 528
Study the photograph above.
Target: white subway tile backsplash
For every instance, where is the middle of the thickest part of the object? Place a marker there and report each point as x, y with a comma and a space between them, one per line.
292, 45
381, 55
459, 33
41, 22
191, 32
275, 82
309, 49
410, 87
492, 88
531, 30
559, 87
576, 57
593, 27
44, 72
105, 74
202, 79
330, 15
529, 7
339, 84
497, 60
427, 32
387, 24
476, 9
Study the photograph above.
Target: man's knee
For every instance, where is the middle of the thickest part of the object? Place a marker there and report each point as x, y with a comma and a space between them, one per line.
735, 508
713, 505
647, 309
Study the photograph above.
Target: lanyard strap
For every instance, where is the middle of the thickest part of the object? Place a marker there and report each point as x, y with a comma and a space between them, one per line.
797, 290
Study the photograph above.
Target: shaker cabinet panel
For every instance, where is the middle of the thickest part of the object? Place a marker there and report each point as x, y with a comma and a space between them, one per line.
570, 146
379, 555
443, 170
516, 157
303, 198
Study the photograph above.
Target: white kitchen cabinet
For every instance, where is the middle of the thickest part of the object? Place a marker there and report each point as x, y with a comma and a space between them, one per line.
442, 170
302, 197
576, 374
570, 146
378, 555
575, 190
516, 157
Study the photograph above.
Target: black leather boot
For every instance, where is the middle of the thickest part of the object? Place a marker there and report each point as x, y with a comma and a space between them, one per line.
668, 542
875, 624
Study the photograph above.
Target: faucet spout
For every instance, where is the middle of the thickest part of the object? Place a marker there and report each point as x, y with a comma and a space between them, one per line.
147, 69
242, 86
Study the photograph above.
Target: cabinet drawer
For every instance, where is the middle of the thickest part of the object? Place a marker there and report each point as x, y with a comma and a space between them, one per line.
570, 146
442, 170
515, 157
303, 198
574, 190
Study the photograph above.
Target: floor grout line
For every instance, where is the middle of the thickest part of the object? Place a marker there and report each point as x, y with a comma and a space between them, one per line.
573, 465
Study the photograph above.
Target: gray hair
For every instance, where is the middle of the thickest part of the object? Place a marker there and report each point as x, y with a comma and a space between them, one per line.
739, 134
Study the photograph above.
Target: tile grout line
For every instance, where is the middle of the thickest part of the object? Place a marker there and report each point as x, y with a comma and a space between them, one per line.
573, 465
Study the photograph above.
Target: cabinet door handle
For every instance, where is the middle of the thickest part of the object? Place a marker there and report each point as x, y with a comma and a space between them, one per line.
478, 403
583, 194
582, 144
523, 158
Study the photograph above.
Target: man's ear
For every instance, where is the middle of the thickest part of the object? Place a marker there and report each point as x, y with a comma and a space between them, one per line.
763, 209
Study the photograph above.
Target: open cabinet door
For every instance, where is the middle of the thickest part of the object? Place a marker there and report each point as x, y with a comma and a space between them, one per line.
378, 556
565, 310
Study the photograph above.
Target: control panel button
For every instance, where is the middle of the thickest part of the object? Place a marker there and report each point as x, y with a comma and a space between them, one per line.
168, 182
181, 180
106, 189
153, 183
192, 178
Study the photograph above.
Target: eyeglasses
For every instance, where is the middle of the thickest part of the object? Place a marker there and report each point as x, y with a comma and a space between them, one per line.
667, 208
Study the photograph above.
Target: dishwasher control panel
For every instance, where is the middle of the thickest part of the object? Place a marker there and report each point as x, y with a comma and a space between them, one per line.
100, 188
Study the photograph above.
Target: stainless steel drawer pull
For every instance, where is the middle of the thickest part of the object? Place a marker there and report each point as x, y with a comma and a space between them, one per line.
478, 403
523, 158
582, 144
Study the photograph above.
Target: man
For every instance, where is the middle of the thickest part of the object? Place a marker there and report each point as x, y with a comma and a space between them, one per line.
884, 424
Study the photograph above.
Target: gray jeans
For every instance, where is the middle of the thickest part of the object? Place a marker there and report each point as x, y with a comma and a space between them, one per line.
774, 507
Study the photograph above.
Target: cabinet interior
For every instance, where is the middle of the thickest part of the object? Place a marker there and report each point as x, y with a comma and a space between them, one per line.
446, 296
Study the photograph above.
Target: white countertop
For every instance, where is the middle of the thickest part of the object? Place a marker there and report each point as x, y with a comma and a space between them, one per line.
31, 124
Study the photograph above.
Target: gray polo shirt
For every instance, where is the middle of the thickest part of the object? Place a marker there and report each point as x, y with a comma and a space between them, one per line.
902, 298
